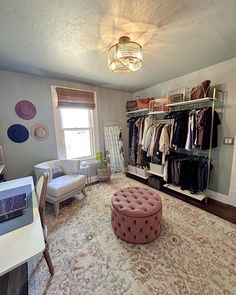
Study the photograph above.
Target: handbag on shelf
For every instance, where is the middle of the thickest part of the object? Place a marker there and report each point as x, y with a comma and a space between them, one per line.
201, 90
179, 95
143, 103
131, 105
159, 104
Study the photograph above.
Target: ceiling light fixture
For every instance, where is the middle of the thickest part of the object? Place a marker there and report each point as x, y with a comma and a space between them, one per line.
125, 56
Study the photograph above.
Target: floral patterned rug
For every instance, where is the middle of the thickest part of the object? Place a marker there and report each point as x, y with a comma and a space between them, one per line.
194, 255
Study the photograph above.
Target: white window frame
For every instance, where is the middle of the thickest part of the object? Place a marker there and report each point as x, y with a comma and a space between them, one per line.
59, 131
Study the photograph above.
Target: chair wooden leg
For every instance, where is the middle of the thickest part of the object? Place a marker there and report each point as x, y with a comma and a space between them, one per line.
84, 192
56, 208
48, 259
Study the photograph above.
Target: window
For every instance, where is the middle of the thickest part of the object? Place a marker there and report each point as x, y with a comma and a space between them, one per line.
78, 132
76, 123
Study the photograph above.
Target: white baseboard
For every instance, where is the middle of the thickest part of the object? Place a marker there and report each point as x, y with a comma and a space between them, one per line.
226, 199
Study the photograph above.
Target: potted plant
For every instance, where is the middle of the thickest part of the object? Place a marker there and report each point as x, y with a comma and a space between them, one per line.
104, 171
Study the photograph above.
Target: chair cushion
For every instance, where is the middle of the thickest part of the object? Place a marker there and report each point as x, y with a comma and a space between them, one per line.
65, 184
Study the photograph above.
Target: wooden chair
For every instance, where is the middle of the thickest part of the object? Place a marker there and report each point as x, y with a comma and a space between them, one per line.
41, 192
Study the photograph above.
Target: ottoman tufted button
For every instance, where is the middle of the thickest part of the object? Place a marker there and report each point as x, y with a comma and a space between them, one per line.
133, 212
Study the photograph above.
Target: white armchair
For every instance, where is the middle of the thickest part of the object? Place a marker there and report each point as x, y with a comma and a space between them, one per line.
64, 180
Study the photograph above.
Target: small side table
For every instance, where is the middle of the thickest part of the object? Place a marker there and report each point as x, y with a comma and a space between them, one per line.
84, 166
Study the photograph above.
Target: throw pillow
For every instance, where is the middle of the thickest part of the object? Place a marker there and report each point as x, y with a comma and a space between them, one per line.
57, 172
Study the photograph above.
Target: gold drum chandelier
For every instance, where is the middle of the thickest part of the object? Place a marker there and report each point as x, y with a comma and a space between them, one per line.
125, 56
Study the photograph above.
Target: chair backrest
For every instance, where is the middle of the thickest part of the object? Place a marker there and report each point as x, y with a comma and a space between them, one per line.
41, 193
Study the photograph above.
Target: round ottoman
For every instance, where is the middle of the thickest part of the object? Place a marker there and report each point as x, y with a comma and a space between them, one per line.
136, 214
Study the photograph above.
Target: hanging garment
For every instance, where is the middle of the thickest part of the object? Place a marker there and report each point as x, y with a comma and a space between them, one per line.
188, 172
197, 126
114, 145
164, 142
206, 126
191, 131
180, 129
131, 141
148, 139
154, 147
140, 125
147, 124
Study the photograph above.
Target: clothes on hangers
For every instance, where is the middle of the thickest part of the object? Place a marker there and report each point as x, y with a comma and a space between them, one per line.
192, 129
148, 139
188, 172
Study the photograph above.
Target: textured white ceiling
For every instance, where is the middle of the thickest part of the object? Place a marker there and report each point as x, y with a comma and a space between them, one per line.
69, 39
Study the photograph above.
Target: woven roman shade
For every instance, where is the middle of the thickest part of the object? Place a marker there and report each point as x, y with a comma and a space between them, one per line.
75, 98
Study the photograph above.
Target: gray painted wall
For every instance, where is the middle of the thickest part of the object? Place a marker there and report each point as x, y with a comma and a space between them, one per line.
223, 75
20, 158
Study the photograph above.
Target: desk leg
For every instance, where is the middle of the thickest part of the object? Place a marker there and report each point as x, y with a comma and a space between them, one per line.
15, 282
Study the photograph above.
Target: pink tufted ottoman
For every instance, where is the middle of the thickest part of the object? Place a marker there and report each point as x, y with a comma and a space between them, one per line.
136, 214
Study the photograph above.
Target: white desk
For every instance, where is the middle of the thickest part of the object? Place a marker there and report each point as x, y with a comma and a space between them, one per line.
18, 246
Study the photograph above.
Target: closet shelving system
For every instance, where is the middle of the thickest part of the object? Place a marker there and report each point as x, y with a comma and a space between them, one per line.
133, 170
212, 102
138, 112
189, 105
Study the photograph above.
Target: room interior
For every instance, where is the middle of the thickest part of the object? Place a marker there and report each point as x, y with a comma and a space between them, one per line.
117, 150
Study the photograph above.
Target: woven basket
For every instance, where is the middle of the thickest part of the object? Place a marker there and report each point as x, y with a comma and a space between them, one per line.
104, 174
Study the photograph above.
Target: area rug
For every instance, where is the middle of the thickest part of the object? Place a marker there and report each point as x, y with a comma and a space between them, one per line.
194, 255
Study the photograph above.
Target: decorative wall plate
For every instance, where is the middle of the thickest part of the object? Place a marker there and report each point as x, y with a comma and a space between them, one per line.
18, 133
25, 109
